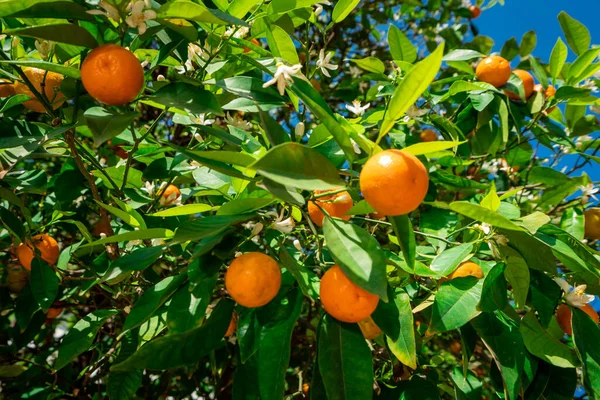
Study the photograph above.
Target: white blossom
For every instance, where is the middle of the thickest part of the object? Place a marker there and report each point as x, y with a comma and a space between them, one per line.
319, 6
355, 72
160, 78
107, 10
581, 140
44, 47
589, 84
174, 199
299, 130
237, 122
355, 146
297, 245
356, 108
239, 34
283, 76
576, 297
324, 63
501, 240
283, 225
588, 191
201, 119
139, 16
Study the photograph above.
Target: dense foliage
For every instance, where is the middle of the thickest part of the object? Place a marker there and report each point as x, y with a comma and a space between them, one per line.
249, 135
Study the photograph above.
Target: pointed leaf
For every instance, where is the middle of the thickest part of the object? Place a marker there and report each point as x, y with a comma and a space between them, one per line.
405, 347
455, 304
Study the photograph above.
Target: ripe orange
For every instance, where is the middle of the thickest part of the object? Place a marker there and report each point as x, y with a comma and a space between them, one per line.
7, 88
169, 196
528, 84
369, 328
253, 279
51, 84
468, 268
53, 313
394, 182
305, 388
563, 316
548, 94
112, 75
16, 277
46, 245
428, 135
232, 325
592, 223
475, 11
344, 300
337, 205
494, 70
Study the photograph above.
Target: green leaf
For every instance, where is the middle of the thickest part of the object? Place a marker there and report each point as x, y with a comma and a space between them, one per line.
542, 345
123, 385
494, 291
61, 33
204, 227
358, 254
307, 279
586, 336
491, 201
64, 70
122, 215
274, 347
81, 337
188, 306
43, 9
137, 260
400, 46
44, 283
534, 221
106, 124
528, 42
186, 98
151, 300
281, 44
187, 9
406, 238
404, 348
387, 316
479, 213
468, 386
517, 274
247, 87
579, 66
410, 89
371, 64
430, 147
26, 307
183, 348
455, 304
142, 234
218, 162
274, 131
239, 8
462, 55
344, 361
117, 174
448, 260
510, 49
185, 209
282, 192
342, 9
558, 58
578, 36
572, 222
298, 166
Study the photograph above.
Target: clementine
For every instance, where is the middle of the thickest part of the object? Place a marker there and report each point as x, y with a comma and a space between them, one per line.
468, 268
428, 135
7, 88
49, 81
494, 70
548, 93
592, 223
337, 205
254, 41
53, 312
112, 75
253, 279
394, 182
16, 277
169, 196
369, 328
563, 317
344, 300
528, 84
45, 244
475, 11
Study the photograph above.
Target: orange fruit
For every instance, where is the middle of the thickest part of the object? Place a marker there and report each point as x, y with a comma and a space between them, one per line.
369, 328
344, 300
53, 312
253, 279
305, 388
428, 135
528, 84
45, 244
563, 317
169, 196
468, 268
232, 325
494, 70
16, 277
548, 94
254, 41
337, 205
475, 11
7, 88
112, 75
394, 182
51, 83
592, 223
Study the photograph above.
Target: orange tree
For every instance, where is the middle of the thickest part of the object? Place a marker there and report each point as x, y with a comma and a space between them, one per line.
292, 199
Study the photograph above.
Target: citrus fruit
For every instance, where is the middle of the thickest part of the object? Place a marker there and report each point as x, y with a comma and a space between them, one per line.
6, 88
169, 196
369, 328
45, 244
337, 205
468, 268
548, 94
428, 135
592, 223
528, 84
16, 277
53, 312
254, 41
563, 317
394, 182
494, 70
232, 325
305, 388
51, 83
475, 11
253, 279
112, 75
344, 300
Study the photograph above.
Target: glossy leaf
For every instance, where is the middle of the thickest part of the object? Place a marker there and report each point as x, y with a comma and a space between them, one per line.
186, 209
448, 260
558, 58
186, 98
142, 234
342, 9
282, 45
586, 336
60, 33
44, 283
137, 260
188, 306
572, 222
307, 279
189, 10
106, 124
406, 238
400, 46
577, 35
430, 147
404, 348
483, 214
371, 64
528, 42
201, 228
455, 304
494, 292
517, 274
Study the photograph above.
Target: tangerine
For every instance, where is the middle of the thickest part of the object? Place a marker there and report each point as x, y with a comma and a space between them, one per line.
394, 182
548, 94
468, 268
45, 244
53, 312
475, 11
16, 278
592, 223
7, 88
343, 299
112, 75
169, 196
50, 81
254, 41
253, 279
336, 205
494, 70
428, 135
369, 328
528, 84
563, 317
